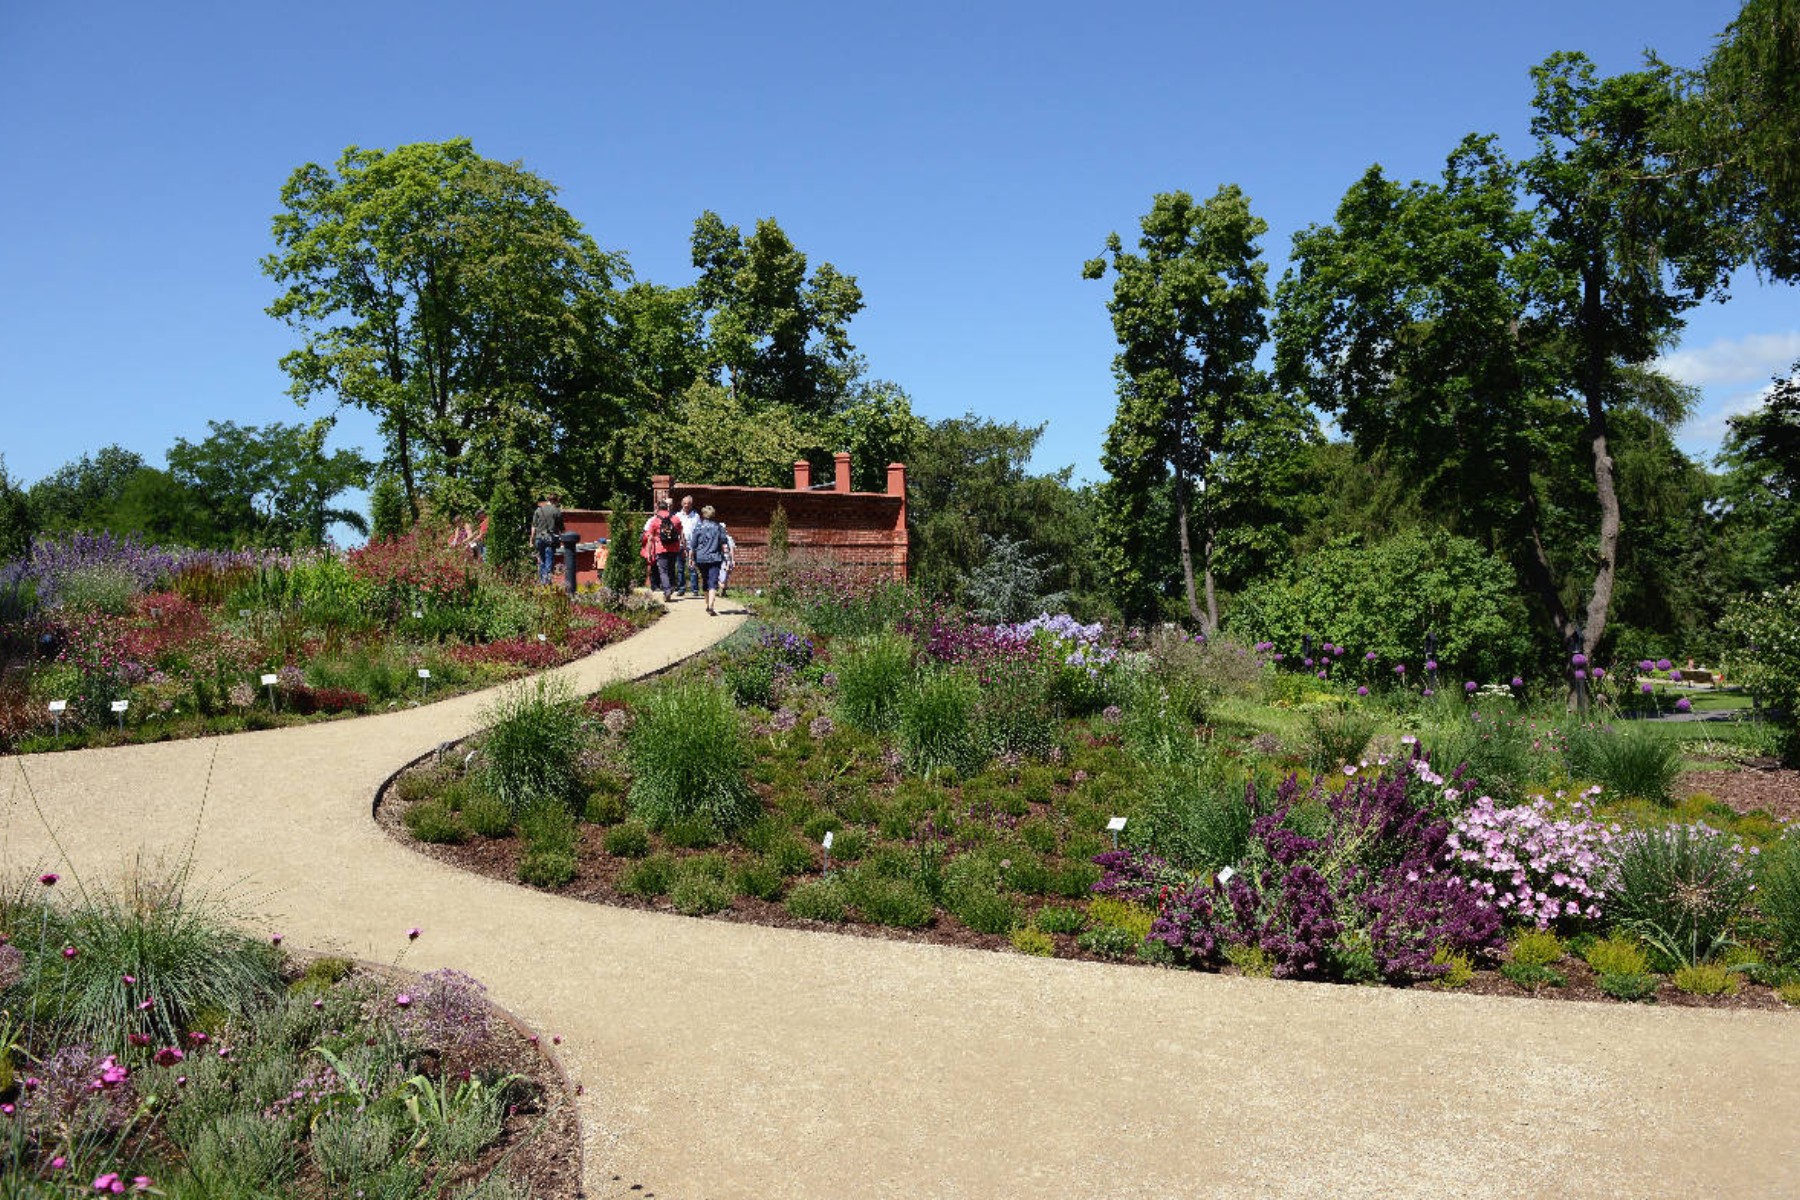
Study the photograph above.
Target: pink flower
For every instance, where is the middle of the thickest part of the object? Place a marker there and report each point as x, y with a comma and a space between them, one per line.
129, 979
109, 1182
1683, 705
69, 952
403, 1000
412, 935
49, 878
58, 1163
168, 1056
275, 939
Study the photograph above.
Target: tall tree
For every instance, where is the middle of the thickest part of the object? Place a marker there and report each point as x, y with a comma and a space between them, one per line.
272, 484
80, 495
17, 522
1733, 138
449, 295
777, 333
1760, 489
1187, 309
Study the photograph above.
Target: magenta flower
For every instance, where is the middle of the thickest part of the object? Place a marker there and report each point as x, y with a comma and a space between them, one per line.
1369, 657
1599, 673
275, 939
129, 979
1431, 664
168, 1056
1682, 705
412, 935
1580, 674
1362, 691
1399, 668
1470, 686
1663, 664
403, 1000
1579, 660
69, 952
49, 878
1428, 691
1645, 687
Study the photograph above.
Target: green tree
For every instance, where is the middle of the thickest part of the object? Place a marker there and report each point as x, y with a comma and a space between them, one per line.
272, 484
80, 495
450, 296
1733, 136
158, 507
1760, 488
509, 514
387, 508
969, 488
1187, 309
776, 332
18, 525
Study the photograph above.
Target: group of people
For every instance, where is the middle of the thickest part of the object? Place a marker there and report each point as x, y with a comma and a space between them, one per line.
470, 534
687, 551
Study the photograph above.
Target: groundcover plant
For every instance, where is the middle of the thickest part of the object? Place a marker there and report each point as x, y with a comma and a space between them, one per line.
115, 640
148, 1046
1064, 788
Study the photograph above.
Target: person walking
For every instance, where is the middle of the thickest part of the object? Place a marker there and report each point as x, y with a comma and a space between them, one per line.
663, 539
687, 579
546, 526
707, 545
730, 559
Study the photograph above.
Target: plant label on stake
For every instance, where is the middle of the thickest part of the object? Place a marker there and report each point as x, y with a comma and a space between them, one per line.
424, 679
119, 706
542, 638
418, 615
1115, 827
1224, 876
269, 682
56, 712
827, 844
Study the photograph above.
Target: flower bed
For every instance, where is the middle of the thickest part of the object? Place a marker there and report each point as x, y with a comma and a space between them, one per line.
951, 784
185, 640
151, 1048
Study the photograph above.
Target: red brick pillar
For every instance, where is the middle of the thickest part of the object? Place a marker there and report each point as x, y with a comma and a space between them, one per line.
802, 475
896, 486
659, 489
842, 482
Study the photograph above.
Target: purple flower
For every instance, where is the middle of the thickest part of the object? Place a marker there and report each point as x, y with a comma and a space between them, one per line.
1663, 664
49, 878
1580, 674
1369, 657
1399, 668
1431, 664
1470, 686
1599, 673
1645, 687
1683, 705
1579, 660
1428, 691
1362, 691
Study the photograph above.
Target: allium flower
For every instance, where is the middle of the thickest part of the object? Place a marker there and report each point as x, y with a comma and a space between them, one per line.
1663, 664
1362, 691
1399, 668
1599, 673
820, 728
1369, 657
1646, 665
1470, 686
1112, 714
1428, 692
1321, 674
1580, 673
616, 721
1579, 660
241, 695
1684, 705
784, 720
1431, 664
1645, 687
828, 680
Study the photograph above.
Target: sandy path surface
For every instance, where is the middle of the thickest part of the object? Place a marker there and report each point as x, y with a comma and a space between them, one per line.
724, 1060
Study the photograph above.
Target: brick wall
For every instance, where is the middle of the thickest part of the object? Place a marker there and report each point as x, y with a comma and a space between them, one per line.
863, 531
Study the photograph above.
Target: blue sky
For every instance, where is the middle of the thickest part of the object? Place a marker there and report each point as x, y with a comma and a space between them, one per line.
960, 159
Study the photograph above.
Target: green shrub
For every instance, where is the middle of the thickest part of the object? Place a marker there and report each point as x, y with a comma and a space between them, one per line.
1075, 880
180, 948
1034, 942
629, 840
432, 821
244, 1151
1764, 630
486, 814
1109, 941
354, 1145
1496, 752
690, 833
1058, 919
688, 753
1789, 993
1635, 760
817, 900
986, 911
760, 879
1252, 961
1195, 816
551, 838
648, 877
1460, 972
1680, 888
1338, 737
1617, 956
873, 673
1039, 835
1778, 894
697, 894
1706, 979
1154, 731
1628, 987
1028, 874
1533, 975
1109, 913
896, 902
535, 731
938, 733
1537, 947
791, 856
848, 845
605, 807
322, 973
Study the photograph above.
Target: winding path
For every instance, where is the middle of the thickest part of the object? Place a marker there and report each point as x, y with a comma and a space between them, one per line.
724, 1060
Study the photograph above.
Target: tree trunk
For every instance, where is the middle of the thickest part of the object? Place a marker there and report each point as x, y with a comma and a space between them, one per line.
1594, 378
1187, 550
1211, 625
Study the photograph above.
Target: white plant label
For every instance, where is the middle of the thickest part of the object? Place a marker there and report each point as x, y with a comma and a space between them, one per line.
1225, 875
542, 638
270, 680
417, 615
243, 612
424, 672
1116, 825
827, 842
120, 705
59, 706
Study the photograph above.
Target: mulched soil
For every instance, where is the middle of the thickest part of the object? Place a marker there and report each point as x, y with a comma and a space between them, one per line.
1762, 784
597, 872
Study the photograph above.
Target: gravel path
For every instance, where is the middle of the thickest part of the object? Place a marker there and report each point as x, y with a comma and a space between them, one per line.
724, 1060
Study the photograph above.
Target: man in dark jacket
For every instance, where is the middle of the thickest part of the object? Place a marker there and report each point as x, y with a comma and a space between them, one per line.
546, 526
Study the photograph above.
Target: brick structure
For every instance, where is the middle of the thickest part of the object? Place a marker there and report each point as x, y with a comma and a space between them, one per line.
864, 531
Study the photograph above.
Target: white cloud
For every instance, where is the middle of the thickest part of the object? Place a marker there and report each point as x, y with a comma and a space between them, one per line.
1729, 361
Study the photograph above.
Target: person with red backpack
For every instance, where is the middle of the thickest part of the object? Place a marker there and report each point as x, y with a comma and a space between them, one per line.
664, 544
